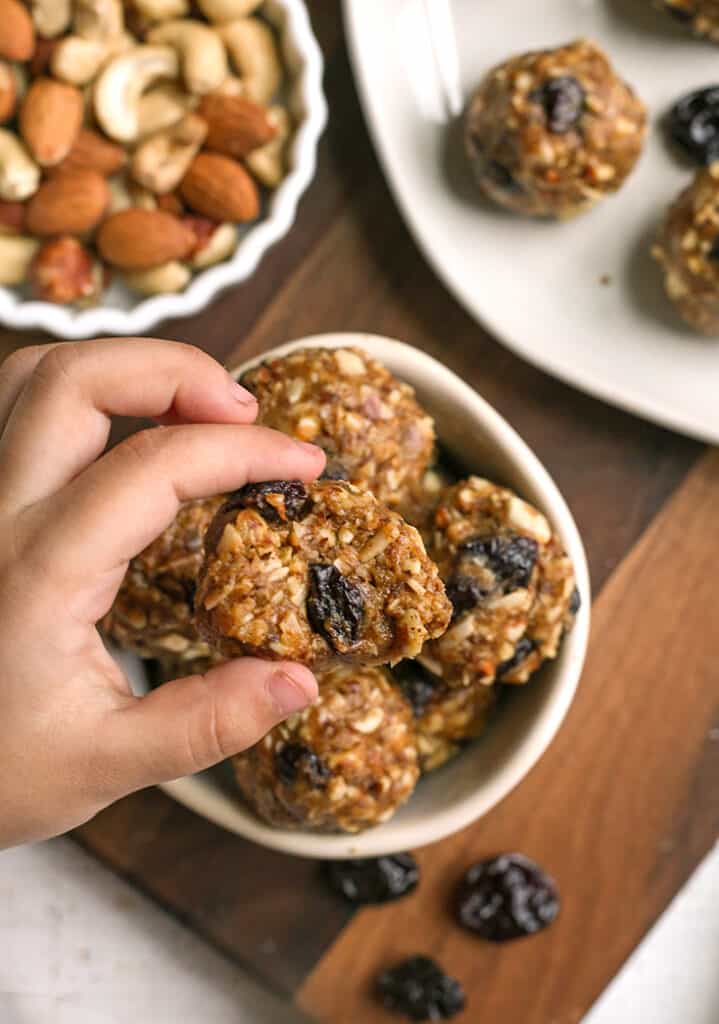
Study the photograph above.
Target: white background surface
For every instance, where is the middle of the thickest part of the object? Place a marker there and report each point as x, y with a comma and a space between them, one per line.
79, 946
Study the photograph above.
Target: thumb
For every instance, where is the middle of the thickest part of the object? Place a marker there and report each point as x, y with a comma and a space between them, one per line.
190, 724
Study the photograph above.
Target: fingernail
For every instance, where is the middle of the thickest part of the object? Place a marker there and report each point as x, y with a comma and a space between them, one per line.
291, 693
241, 395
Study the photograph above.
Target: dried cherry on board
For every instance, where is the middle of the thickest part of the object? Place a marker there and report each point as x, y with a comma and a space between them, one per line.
374, 879
506, 897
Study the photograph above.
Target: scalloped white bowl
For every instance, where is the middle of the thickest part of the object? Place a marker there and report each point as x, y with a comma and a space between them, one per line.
122, 311
468, 786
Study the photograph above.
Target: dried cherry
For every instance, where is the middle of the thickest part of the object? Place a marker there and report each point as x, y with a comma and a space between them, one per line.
419, 988
506, 898
277, 501
562, 99
417, 684
374, 879
335, 606
295, 761
511, 557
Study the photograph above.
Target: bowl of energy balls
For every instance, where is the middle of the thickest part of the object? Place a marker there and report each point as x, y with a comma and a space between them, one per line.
433, 579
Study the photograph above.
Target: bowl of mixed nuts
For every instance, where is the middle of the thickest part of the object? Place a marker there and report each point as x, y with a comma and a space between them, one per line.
150, 152
433, 579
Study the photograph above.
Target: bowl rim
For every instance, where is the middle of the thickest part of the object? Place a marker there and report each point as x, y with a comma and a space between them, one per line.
66, 322
203, 797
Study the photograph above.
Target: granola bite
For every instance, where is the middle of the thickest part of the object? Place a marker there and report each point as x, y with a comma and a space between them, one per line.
355, 409
550, 132
342, 765
556, 603
152, 613
701, 16
687, 249
424, 496
486, 542
318, 573
445, 717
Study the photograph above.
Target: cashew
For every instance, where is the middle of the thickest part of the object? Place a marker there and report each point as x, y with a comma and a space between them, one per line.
254, 53
121, 84
221, 244
141, 196
100, 20
162, 107
227, 10
168, 277
232, 86
16, 255
120, 198
77, 60
51, 17
161, 10
161, 162
19, 174
202, 54
268, 162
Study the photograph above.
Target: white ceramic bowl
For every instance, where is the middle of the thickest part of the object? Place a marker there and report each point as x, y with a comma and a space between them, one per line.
124, 312
467, 787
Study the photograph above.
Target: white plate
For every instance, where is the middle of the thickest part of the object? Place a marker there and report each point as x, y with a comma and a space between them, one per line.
467, 787
536, 285
124, 312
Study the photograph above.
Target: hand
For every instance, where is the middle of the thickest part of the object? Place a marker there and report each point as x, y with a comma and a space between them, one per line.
73, 738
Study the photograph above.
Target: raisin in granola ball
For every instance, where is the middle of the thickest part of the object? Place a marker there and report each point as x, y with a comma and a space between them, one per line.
342, 765
701, 16
152, 613
486, 542
549, 133
687, 249
318, 573
445, 717
355, 409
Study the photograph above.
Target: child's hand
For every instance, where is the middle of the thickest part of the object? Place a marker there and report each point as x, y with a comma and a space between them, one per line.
72, 736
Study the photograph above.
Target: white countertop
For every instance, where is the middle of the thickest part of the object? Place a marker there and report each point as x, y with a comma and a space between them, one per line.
80, 946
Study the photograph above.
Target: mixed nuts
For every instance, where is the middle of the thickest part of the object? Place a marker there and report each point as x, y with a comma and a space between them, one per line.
135, 136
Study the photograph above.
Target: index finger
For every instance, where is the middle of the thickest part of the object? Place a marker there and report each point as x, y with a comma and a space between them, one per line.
60, 421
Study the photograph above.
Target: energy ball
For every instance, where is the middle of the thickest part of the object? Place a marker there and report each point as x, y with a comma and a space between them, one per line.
152, 613
701, 16
421, 502
353, 408
445, 717
550, 132
486, 542
342, 765
687, 248
317, 573
555, 605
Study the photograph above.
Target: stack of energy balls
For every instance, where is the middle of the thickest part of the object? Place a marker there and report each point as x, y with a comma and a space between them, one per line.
413, 596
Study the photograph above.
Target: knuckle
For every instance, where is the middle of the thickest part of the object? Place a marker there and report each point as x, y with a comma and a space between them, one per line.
143, 445
18, 362
57, 365
207, 741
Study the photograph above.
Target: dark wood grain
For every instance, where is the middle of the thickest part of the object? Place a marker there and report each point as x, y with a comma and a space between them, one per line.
349, 264
620, 810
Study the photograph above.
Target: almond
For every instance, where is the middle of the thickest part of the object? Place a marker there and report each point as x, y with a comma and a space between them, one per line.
50, 119
235, 125
42, 56
171, 203
17, 33
92, 151
219, 188
12, 218
136, 239
8, 92
63, 271
68, 204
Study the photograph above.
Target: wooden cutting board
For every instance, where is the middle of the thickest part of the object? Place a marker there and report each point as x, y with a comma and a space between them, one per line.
626, 801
